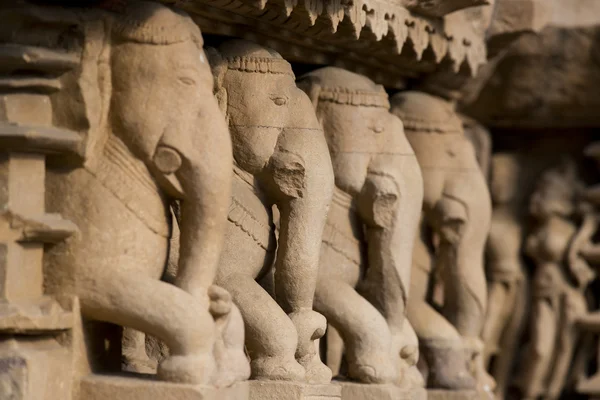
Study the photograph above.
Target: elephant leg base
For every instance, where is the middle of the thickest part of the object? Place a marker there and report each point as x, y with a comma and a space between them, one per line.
440, 394
590, 386
142, 387
279, 390
365, 391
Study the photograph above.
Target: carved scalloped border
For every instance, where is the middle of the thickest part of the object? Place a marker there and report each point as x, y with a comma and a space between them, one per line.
452, 36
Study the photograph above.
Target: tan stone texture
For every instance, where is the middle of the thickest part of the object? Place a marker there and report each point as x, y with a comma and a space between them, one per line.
361, 391
279, 390
136, 388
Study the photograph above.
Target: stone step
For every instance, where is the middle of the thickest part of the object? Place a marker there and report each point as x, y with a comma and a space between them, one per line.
39, 139
42, 316
144, 387
47, 228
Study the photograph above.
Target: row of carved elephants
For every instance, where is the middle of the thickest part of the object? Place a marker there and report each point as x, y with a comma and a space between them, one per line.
370, 193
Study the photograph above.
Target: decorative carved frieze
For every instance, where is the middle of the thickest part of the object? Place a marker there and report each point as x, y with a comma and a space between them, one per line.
379, 35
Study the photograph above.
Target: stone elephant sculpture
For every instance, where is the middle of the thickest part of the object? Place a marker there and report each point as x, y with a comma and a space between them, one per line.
455, 224
367, 246
155, 133
280, 158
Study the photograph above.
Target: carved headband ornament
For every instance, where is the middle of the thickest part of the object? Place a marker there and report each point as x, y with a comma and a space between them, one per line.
152, 23
421, 125
339, 86
354, 97
220, 64
261, 65
424, 113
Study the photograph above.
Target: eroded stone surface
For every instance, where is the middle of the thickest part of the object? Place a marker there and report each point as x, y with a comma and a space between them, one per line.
361, 391
137, 388
279, 390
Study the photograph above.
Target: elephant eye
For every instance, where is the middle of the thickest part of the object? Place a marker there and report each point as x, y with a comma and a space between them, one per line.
279, 100
377, 128
187, 81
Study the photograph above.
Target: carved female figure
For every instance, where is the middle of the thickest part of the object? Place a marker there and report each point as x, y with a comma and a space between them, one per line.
155, 134
561, 276
456, 216
367, 245
280, 158
507, 285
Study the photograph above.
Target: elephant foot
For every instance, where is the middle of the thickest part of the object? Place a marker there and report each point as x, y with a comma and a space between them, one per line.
448, 369
220, 301
140, 366
316, 371
377, 369
138, 361
412, 378
193, 369
485, 381
277, 369
233, 367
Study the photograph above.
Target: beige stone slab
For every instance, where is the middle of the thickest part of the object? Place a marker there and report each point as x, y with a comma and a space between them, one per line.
590, 386
437, 394
41, 315
102, 387
362, 391
278, 390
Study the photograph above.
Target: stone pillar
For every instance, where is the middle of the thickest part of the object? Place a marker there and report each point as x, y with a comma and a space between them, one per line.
34, 329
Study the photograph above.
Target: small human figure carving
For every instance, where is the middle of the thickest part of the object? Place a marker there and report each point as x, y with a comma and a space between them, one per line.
366, 252
505, 270
280, 158
454, 226
561, 276
155, 133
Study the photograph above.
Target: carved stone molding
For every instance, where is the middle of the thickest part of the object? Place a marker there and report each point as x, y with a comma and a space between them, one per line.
376, 34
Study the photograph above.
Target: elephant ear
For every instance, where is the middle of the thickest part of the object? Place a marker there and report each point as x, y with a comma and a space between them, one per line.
218, 66
311, 87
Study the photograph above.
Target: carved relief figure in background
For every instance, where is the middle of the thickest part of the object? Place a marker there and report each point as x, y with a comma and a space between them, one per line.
280, 158
367, 245
560, 278
455, 223
507, 285
156, 134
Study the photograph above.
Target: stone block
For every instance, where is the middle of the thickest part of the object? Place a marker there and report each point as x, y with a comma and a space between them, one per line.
278, 390
438, 394
363, 391
144, 387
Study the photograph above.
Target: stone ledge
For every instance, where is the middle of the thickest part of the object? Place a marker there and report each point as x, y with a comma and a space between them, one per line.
102, 387
363, 391
438, 394
278, 390
37, 317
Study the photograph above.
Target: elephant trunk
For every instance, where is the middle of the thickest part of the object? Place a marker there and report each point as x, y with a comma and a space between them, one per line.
390, 207
205, 176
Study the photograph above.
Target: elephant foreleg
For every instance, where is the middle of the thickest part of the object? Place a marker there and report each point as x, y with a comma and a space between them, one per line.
441, 345
335, 350
134, 356
271, 337
365, 332
182, 322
